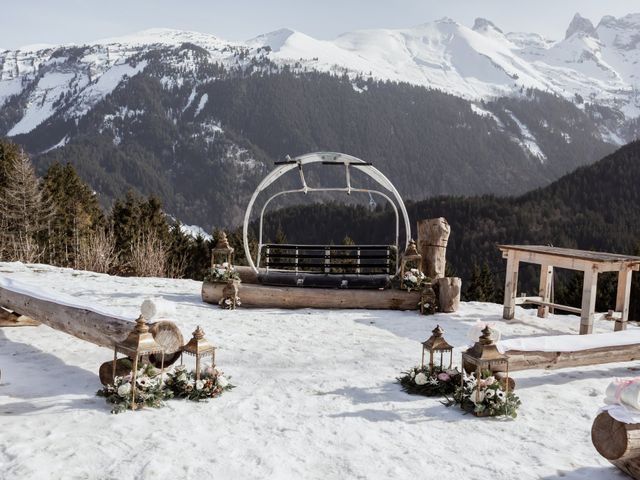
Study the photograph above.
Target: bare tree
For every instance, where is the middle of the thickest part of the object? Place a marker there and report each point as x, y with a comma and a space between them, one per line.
177, 266
148, 255
97, 252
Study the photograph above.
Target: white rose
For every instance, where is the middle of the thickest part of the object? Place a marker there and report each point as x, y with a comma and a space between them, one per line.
421, 379
199, 385
225, 264
124, 389
490, 380
182, 377
222, 381
412, 374
413, 279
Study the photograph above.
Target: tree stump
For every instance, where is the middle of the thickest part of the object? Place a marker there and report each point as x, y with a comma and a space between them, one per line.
618, 442
433, 235
449, 293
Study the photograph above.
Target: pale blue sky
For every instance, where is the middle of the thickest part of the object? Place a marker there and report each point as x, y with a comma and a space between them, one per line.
25, 22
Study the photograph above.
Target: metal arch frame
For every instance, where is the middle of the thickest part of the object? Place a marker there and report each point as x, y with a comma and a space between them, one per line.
316, 157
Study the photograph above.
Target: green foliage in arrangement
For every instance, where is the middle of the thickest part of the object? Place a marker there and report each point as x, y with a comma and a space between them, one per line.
149, 391
438, 382
486, 397
183, 384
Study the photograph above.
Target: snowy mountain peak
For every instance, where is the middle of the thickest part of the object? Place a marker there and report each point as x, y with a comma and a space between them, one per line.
579, 24
276, 39
482, 25
162, 36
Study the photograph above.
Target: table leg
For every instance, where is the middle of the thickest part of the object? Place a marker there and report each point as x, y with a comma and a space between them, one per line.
622, 298
546, 279
589, 289
510, 286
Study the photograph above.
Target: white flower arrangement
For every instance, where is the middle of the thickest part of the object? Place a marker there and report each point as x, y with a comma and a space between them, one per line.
422, 381
183, 383
413, 279
485, 397
152, 390
222, 273
149, 390
229, 303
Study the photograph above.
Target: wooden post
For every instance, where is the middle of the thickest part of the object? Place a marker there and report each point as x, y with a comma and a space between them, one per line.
622, 298
589, 288
546, 280
433, 235
510, 285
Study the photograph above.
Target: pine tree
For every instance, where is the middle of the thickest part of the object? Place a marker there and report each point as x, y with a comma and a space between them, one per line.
137, 221
24, 210
76, 217
482, 285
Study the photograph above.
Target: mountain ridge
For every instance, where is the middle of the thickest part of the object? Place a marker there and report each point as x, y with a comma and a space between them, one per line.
475, 63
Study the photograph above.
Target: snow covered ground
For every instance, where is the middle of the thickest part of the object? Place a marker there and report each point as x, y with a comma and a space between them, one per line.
316, 398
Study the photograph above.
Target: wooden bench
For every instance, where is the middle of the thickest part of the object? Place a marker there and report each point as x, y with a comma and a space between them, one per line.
328, 266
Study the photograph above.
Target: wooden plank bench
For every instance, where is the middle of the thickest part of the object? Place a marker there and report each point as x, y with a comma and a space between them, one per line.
328, 266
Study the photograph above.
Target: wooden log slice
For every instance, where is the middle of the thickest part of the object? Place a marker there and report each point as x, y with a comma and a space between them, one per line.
167, 334
615, 440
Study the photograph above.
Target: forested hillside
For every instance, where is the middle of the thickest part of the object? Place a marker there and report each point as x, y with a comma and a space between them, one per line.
202, 141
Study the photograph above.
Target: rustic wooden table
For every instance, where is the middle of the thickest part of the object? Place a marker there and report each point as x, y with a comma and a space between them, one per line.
591, 263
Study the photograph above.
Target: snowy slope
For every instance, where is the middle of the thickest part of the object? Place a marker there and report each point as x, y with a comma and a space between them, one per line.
315, 398
600, 64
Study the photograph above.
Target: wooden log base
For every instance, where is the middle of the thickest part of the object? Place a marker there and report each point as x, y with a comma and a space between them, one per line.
293, 297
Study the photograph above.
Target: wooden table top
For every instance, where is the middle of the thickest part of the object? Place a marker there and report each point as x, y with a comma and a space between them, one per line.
573, 253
